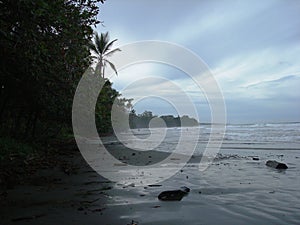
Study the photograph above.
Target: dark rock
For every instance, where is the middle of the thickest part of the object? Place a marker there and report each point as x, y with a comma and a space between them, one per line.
154, 185
174, 195
276, 165
255, 158
133, 223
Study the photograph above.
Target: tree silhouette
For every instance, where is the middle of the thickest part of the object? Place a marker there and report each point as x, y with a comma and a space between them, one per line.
102, 48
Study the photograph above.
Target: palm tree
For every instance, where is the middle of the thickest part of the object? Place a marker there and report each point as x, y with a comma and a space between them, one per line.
102, 48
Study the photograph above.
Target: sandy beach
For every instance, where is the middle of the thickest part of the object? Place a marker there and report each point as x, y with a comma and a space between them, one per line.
149, 112
235, 189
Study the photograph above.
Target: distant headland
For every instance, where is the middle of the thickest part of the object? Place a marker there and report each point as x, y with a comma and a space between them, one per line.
143, 120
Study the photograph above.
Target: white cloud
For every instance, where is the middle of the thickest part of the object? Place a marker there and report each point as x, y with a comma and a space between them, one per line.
251, 47
213, 18
236, 74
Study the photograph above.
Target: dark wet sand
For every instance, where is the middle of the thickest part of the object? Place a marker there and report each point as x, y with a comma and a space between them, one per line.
74, 195
234, 190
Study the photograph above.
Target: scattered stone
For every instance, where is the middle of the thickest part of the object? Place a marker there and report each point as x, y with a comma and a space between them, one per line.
28, 218
131, 185
133, 223
255, 158
133, 154
154, 185
276, 165
97, 210
156, 206
80, 209
174, 195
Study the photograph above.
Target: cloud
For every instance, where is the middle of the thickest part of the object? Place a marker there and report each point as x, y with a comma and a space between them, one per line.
285, 88
252, 48
216, 17
238, 73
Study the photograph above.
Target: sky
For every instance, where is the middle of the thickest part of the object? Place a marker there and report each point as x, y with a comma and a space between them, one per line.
251, 48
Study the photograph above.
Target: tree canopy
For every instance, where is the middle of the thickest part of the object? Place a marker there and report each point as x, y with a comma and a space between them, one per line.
101, 46
143, 120
44, 51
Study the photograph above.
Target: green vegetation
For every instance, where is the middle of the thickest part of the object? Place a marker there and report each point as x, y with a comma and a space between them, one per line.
102, 48
143, 120
45, 48
10, 147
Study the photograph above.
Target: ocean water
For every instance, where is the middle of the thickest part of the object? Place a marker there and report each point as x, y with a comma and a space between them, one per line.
258, 136
234, 189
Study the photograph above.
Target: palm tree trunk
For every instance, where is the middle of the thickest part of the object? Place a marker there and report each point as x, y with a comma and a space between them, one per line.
103, 70
101, 67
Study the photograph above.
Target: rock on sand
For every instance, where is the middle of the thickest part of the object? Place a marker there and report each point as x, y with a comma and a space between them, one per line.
276, 165
174, 195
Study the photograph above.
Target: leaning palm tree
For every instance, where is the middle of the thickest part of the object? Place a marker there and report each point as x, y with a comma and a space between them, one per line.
102, 48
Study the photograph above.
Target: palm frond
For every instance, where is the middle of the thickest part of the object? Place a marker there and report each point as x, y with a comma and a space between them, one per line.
108, 45
94, 57
104, 39
102, 48
112, 66
92, 46
112, 52
98, 43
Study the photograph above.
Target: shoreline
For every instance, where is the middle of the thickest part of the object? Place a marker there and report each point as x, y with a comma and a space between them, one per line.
235, 187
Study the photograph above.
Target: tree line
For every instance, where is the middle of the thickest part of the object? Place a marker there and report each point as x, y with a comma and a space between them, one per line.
143, 120
45, 48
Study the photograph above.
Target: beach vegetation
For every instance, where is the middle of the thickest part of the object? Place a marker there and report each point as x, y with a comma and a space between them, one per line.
143, 120
45, 49
102, 47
